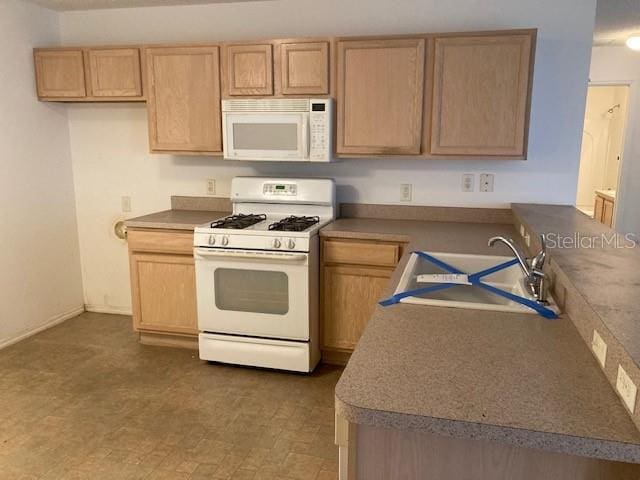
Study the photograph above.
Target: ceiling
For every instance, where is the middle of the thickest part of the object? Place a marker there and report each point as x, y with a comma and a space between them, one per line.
615, 21
97, 4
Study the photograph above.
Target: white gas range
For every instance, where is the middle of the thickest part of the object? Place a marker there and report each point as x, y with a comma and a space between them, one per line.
257, 274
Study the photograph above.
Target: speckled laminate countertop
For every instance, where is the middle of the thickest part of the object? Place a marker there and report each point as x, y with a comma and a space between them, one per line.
175, 219
596, 264
505, 377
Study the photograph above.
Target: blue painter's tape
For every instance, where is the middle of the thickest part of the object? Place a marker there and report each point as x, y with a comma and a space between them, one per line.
475, 280
412, 293
438, 263
475, 277
541, 309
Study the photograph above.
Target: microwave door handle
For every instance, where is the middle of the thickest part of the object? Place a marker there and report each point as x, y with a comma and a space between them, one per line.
305, 136
288, 257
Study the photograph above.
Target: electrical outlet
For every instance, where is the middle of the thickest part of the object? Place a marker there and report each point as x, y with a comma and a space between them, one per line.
468, 179
599, 348
486, 182
211, 186
527, 239
406, 190
125, 203
626, 388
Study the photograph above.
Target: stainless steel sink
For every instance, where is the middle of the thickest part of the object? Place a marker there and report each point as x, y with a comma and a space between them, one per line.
509, 279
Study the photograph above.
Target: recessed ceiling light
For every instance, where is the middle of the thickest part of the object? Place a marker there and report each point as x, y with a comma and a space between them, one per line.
633, 42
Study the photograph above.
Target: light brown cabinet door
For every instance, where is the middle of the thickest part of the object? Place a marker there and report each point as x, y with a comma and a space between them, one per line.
598, 208
183, 100
380, 90
481, 95
114, 72
163, 291
248, 69
350, 297
60, 73
303, 68
607, 213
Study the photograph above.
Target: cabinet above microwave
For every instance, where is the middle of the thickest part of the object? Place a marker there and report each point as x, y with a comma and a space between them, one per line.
288, 130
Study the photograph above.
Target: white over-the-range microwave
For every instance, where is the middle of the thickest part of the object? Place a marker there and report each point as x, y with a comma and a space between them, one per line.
289, 130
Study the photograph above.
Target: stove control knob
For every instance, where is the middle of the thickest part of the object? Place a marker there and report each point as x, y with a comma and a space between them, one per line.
225, 240
291, 244
212, 240
276, 243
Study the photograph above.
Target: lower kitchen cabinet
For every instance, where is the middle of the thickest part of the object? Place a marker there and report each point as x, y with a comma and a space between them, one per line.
163, 285
355, 276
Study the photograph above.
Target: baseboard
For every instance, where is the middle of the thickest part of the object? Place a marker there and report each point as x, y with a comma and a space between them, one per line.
55, 320
108, 309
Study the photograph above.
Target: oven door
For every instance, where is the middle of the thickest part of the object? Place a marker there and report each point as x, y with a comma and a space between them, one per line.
266, 136
253, 293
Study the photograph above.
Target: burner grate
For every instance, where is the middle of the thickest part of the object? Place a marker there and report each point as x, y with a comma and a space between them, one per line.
238, 222
294, 224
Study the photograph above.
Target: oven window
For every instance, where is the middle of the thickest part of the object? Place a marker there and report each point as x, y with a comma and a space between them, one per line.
254, 291
265, 136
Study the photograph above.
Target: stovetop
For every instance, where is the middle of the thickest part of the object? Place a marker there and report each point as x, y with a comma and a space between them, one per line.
251, 231
258, 223
293, 223
240, 221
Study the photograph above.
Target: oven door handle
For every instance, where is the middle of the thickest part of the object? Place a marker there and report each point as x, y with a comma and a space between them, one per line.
287, 257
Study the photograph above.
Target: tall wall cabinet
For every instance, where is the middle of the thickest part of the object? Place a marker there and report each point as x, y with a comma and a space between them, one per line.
184, 100
380, 88
480, 95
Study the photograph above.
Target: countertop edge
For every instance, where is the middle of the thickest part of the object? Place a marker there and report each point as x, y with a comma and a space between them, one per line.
171, 219
518, 437
386, 237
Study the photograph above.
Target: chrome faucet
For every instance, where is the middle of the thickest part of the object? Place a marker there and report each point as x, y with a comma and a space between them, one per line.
535, 278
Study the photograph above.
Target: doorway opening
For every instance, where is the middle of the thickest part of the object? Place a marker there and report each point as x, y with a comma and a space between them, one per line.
602, 151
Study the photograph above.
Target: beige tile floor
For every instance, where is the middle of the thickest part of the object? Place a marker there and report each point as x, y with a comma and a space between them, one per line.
84, 400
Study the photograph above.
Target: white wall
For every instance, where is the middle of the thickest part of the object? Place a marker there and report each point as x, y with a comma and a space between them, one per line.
622, 65
602, 141
40, 281
109, 142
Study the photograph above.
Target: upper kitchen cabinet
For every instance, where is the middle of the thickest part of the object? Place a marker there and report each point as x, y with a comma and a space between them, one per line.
481, 94
380, 86
248, 69
183, 100
89, 74
60, 73
302, 68
114, 72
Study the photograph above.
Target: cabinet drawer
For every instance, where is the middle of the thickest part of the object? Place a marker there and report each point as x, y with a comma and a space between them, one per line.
162, 241
361, 253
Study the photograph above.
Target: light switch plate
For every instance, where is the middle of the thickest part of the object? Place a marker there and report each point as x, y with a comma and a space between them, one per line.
468, 180
626, 388
125, 203
599, 348
406, 191
211, 186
